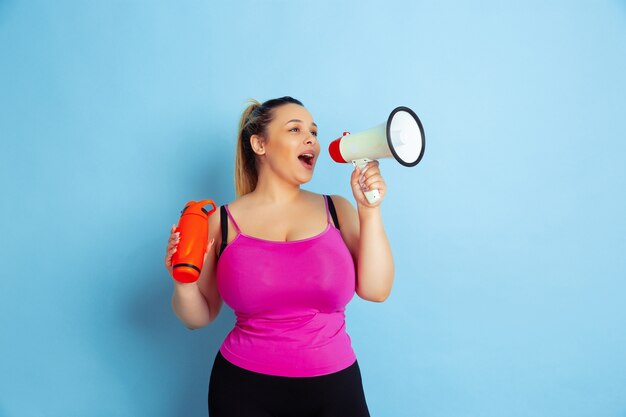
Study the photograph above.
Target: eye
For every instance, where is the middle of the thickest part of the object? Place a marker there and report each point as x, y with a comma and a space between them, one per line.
314, 132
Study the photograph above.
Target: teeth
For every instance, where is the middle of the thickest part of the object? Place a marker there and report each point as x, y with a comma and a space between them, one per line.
310, 155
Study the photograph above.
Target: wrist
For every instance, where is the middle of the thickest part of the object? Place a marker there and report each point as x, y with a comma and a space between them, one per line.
368, 212
185, 287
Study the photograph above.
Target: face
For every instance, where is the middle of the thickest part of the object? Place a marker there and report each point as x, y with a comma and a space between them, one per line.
291, 136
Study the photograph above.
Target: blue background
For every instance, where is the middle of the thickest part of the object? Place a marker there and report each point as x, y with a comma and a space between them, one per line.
509, 238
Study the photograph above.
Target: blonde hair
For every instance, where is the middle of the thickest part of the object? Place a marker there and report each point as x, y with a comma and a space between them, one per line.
254, 121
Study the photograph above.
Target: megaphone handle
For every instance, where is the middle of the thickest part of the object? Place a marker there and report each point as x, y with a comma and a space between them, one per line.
372, 195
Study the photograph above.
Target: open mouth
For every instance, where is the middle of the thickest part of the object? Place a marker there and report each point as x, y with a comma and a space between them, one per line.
307, 160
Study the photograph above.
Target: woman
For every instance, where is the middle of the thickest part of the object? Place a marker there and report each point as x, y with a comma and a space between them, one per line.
289, 261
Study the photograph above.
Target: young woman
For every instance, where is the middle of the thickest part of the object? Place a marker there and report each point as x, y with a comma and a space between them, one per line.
287, 261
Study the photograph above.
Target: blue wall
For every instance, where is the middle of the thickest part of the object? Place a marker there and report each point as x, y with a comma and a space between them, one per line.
509, 238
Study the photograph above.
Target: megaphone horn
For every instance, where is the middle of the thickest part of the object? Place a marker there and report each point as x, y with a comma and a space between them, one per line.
401, 137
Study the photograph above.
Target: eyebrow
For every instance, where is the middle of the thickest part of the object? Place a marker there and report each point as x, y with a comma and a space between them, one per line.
298, 120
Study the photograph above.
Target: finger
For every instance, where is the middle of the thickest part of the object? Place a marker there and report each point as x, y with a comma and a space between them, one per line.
372, 180
371, 172
357, 184
376, 186
366, 180
355, 180
376, 180
208, 246
379, 185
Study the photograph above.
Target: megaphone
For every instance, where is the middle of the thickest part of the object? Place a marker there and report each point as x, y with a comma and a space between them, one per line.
400, 137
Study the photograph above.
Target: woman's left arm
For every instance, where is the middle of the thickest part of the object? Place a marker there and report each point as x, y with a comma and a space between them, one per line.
365, 236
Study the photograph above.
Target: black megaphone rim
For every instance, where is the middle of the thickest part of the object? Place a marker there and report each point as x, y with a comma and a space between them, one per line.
388, 132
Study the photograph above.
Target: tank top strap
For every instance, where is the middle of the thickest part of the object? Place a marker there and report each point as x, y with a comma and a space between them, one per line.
327, 210
330, 206
232, 219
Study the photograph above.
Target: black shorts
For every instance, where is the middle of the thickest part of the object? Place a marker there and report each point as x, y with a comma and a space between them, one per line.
238, 392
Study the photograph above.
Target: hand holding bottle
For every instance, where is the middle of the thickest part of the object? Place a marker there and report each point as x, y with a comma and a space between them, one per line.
187, 247
172, 246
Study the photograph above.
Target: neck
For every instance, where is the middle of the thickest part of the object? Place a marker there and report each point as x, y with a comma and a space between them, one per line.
271, 189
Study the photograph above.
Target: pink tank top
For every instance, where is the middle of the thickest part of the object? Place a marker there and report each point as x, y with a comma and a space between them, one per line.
289, 299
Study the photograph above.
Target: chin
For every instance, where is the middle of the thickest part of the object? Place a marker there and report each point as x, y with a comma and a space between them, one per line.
305, 179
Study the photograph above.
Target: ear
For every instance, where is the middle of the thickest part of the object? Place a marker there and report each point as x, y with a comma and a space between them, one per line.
258, 144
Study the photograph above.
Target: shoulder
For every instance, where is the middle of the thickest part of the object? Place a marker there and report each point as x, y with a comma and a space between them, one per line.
215, 221
215, 228
215, 224
348, 223
343, 206
240, 203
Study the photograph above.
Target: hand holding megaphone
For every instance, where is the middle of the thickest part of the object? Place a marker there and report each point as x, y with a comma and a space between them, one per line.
367, 182
400, 137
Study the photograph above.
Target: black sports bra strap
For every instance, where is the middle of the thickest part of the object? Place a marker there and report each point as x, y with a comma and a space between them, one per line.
224, 225
333, 213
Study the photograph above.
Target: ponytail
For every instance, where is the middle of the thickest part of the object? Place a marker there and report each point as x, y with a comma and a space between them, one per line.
246, 175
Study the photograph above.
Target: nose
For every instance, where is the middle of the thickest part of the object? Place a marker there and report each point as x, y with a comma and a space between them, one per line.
311, 139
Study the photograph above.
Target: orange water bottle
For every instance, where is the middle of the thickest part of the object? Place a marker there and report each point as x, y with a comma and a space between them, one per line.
194, 235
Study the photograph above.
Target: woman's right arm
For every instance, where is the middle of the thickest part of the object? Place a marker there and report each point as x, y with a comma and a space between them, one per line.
198, 303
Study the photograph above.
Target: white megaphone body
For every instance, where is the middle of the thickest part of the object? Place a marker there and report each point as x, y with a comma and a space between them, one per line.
400, 137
